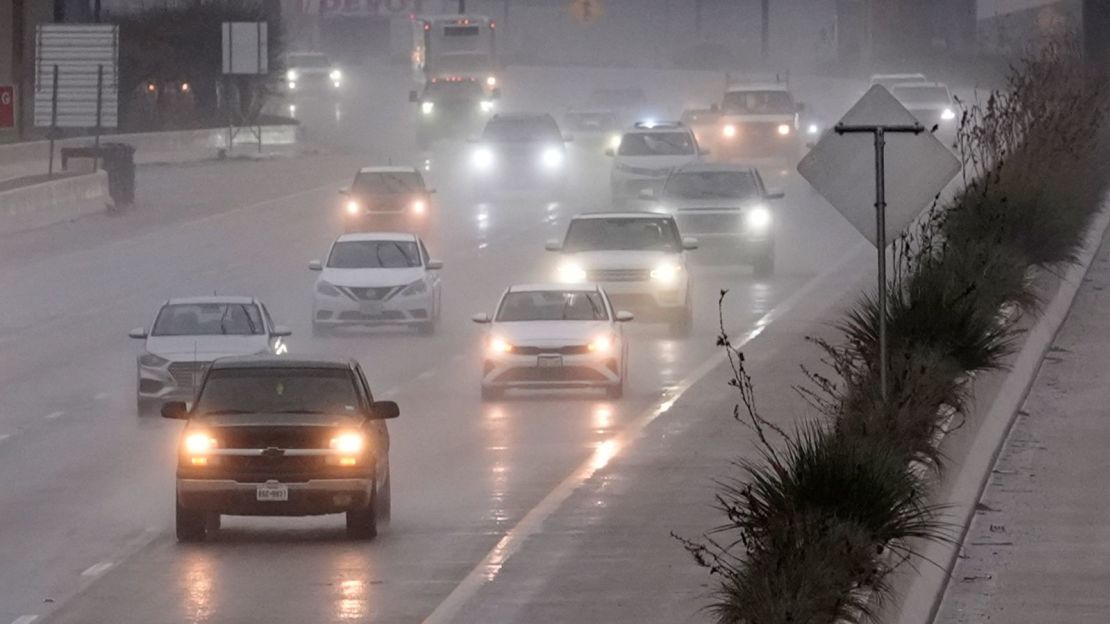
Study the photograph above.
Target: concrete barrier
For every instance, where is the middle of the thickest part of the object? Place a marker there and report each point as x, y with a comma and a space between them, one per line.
32, 158
54, 201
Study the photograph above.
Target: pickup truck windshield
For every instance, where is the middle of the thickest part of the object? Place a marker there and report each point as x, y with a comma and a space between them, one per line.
278, 391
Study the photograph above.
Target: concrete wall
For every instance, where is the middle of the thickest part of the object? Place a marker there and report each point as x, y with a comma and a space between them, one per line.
65, 199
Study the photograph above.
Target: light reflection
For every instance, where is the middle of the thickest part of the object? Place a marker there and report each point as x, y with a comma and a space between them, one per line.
605, 452
498, 426
603, 418
352, 600
761, 299
199, 585
552, 206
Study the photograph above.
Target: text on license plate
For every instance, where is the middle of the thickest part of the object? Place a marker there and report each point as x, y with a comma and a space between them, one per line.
272, 492
549, 361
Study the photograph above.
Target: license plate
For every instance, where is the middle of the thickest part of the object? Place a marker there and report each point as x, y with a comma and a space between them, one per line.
549, 361
371, 307
272, 492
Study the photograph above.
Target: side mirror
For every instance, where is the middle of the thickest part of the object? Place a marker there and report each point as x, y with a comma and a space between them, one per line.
281, 331
774, 194
553, 245
481, 318
647, 194
315, 265
138, 332
689, 243
175, 410
610, 152
414, 97
434, 265
381, 410
624, 316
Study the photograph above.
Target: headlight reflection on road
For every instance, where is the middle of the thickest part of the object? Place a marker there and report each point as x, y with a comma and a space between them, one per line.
199, 586
603, 418
605, 453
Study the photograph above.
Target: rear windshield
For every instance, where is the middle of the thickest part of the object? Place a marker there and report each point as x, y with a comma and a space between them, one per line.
711, 185
388, 183
521, 130
657, 144
208, 319
279, 390
758, 102
549, 305
374, 254
639, 234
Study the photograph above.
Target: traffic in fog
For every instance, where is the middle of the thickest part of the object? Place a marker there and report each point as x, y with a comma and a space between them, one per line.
349, 379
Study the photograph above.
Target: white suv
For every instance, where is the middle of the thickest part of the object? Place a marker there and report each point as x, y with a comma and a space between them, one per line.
646, 155
639, 258
377, 278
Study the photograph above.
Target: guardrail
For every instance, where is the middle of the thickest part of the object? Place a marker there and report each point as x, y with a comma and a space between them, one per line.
32, 158
53, 201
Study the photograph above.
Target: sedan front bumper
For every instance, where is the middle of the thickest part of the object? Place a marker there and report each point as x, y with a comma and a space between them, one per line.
551, 370
399, 310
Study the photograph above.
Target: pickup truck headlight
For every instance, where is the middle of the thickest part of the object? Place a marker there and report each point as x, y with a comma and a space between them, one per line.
666, 273
151, 360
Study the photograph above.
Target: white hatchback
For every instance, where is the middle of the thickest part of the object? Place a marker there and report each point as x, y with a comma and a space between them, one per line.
378, 278
554, 336
646, 154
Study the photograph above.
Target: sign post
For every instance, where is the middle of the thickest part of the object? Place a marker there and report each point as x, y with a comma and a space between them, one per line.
7, 106
841, 161
245, 51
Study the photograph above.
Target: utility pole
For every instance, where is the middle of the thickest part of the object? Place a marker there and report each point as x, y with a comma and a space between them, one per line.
764, 28
1096, 25
462, 7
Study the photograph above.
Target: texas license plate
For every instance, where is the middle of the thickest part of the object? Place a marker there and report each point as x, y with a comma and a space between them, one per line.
272, 492
549, 361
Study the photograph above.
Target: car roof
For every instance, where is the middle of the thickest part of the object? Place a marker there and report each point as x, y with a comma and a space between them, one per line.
695, 167
553, 287
757, 86
210, 299
619, 215
390, 169
280, 361
376, 236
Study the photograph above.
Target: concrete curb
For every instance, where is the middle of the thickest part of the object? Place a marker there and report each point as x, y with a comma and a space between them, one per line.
926, 592
53, 201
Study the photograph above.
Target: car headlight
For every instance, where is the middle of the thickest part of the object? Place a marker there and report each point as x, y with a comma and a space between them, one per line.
571, 273
292, 84
615, 142
491, 81
327, 289
291, 75
352, 207
602, 345
758, 218
149, 359
551, 158
498, 345
199, 443
485, 106
336, 75
348, 443
812, 129
482, 158
666, 273
427, 107
419, 206
729, 131
948, 114
784, 129
416, 288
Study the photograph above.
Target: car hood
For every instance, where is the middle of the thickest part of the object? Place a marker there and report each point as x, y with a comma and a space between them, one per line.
622, 259
205, 348
372, 278
551, 333
279, 420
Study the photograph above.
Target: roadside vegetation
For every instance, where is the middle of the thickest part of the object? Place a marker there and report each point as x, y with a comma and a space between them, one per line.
814, 527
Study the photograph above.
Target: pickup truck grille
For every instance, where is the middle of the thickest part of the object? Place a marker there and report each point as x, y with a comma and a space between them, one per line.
283, 437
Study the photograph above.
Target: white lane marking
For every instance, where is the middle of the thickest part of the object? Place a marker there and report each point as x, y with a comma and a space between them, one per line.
53, 415
97, 569
25, 619
100, 396
532, 522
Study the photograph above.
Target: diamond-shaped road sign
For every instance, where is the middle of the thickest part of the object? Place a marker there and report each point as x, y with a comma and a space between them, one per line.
841, 167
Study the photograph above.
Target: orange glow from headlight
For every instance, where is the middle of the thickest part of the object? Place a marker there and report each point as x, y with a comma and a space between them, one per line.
499, 345
347, 461
352, 207
199, 443
419, 207
199, 461
601, 344
729, 131
348, 443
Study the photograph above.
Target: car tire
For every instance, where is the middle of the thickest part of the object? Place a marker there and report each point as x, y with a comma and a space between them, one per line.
362, 524
384, 505
492, 394
190, 525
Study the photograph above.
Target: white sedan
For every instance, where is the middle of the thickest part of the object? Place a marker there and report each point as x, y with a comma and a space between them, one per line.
554, 336
378, 278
